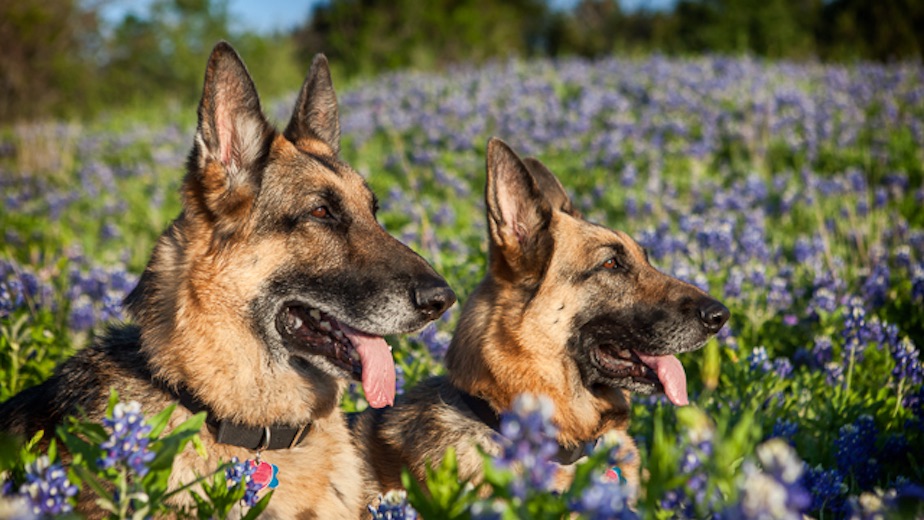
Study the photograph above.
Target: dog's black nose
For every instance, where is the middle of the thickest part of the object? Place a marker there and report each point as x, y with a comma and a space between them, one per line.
713, 314
434, 299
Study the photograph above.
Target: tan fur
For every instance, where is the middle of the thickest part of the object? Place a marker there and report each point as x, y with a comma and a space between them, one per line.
314, 147
274, 226
521, 332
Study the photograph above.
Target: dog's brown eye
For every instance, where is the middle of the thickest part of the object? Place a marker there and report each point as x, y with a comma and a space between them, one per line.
320, 212
610, 264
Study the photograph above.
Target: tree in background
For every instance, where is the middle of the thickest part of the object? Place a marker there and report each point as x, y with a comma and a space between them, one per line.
365, 36
46, 47
771, 28
161, 54
165, 47
594, 28
60, 60
877, 30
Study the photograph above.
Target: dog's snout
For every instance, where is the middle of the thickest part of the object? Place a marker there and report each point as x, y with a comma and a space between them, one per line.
713, 314
433, 299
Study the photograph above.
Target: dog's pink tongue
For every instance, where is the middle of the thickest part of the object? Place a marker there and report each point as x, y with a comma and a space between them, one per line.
378, 368
670, 373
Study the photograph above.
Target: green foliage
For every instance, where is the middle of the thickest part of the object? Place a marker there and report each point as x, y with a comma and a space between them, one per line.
369, 36
58, 60
446, 495
120, 490
61, 58
159, 54
47, 45
30, 348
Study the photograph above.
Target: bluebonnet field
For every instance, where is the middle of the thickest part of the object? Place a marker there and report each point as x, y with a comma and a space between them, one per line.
791, 191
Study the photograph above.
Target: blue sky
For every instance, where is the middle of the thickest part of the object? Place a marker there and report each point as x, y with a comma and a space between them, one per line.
268, 15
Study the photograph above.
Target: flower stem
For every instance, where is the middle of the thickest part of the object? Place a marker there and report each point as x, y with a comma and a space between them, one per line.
898, 400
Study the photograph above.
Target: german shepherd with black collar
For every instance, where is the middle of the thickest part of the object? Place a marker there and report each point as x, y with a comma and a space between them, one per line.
568, 309
264, 298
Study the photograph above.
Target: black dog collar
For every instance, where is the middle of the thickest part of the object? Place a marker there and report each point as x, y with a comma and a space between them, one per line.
487, 415
254, 438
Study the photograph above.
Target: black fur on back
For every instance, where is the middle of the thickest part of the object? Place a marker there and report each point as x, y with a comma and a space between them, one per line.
79, 385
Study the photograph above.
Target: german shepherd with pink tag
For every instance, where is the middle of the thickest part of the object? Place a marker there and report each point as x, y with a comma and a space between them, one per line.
265, 297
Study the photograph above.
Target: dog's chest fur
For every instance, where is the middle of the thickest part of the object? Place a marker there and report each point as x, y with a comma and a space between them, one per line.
317, 479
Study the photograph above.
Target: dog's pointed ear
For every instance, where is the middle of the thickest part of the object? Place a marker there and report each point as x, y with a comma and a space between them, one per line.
550, 186
232, 138
518, 213
316, 115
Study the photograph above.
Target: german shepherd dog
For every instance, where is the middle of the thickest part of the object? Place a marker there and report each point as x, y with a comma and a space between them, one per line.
568, 309
264, 298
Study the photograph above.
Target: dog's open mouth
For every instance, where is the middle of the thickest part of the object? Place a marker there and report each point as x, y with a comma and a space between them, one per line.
362, 356
657, 373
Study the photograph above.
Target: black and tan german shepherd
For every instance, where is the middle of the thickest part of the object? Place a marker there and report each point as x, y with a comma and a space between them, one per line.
568, 309
264, 298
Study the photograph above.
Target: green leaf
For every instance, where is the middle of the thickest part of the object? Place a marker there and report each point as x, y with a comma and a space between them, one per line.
113, 400
82, 452
89, 478
259, 507
159, 422
169, 446
9, 452
446, 495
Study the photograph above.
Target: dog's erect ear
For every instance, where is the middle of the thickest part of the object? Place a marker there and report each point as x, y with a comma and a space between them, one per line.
550, 186
316, 115
518, 213
232, 138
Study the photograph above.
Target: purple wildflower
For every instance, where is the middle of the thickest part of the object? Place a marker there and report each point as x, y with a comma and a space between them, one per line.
780, 296
242, 472
47, 488
782, 367
822, 351
20, 287
734, 282
82, 316
917, 283
400, 380
758, 277
393, 506
876, 285
685, 501
604, 499
823, 299
436, 341
109, 231
857, 331
773, 490
753, 240
128, 440
786, 430
855, 451
827, 488
834, 373
759, 360
528, 440
908, 367
803, 250
488, 510
873, 506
